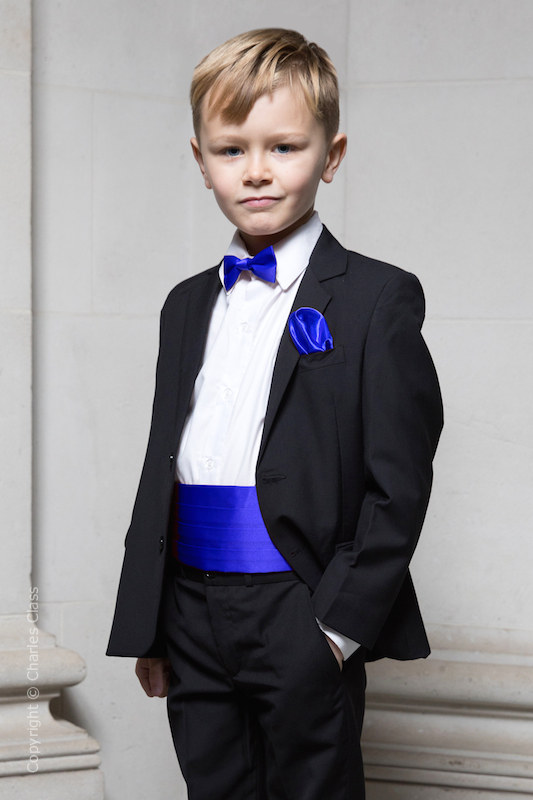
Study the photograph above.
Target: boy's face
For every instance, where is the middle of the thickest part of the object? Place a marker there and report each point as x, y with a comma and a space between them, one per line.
265, 171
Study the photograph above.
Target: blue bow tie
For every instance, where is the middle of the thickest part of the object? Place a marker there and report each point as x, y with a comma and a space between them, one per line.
263, 265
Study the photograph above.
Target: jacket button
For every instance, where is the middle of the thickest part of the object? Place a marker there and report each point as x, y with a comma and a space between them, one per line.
161, 544
171, 461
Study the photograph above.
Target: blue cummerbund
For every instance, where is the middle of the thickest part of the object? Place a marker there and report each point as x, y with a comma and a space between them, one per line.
220, 528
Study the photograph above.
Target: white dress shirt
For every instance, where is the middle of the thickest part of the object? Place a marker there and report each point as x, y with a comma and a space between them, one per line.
222, 433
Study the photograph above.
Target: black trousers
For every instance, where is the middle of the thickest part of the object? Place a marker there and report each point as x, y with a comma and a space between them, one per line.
258, 706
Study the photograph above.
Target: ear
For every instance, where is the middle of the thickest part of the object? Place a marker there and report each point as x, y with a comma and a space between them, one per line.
197, 153
336, 152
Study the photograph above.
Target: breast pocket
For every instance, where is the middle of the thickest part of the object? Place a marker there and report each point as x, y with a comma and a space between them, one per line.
326, 358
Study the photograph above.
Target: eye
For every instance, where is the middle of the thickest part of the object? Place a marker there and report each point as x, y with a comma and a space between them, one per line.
283, 149
232, 152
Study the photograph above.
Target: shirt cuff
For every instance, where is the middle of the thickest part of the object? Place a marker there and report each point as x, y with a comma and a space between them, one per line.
345, 645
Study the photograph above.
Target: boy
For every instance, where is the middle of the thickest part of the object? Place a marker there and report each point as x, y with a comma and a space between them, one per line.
298, 411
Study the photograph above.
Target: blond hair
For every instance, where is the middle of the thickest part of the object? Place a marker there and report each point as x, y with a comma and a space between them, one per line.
235, 74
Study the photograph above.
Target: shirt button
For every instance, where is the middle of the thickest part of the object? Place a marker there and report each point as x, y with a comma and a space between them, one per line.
228, 394
244, 327
209, 463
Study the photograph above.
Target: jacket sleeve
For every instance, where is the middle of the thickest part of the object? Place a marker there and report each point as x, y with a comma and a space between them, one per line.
402, 420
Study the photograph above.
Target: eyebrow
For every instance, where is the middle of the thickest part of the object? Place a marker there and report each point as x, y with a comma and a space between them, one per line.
281, 136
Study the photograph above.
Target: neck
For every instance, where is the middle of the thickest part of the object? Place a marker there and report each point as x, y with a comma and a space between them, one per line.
254, 244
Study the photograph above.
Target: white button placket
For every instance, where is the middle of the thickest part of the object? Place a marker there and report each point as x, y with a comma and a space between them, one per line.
232, 349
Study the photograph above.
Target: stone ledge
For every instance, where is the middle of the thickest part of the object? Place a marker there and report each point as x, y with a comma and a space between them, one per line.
56, 666
66, 785
451, 682
462, 719
60, 744
434, 778
70, 763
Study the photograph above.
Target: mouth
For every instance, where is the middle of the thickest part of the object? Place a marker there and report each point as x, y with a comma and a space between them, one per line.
259, 202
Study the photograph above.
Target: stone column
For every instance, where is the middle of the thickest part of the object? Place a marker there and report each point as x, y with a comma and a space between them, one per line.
40, 756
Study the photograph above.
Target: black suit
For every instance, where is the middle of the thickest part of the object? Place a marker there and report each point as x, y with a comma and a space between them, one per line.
343, 480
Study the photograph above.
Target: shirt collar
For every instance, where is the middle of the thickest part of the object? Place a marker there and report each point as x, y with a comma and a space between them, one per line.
292, 253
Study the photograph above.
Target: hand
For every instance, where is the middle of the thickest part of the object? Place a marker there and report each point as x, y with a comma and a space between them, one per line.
337, 652
154, 675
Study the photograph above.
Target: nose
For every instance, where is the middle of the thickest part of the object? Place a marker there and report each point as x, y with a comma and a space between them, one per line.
256, 170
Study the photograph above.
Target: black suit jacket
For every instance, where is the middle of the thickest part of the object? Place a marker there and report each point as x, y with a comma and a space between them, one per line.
345, 465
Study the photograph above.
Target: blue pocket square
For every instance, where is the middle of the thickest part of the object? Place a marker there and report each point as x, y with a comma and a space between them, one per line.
309, 331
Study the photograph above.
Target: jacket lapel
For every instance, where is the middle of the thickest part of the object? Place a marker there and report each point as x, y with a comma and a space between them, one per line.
328, 260
199, 306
